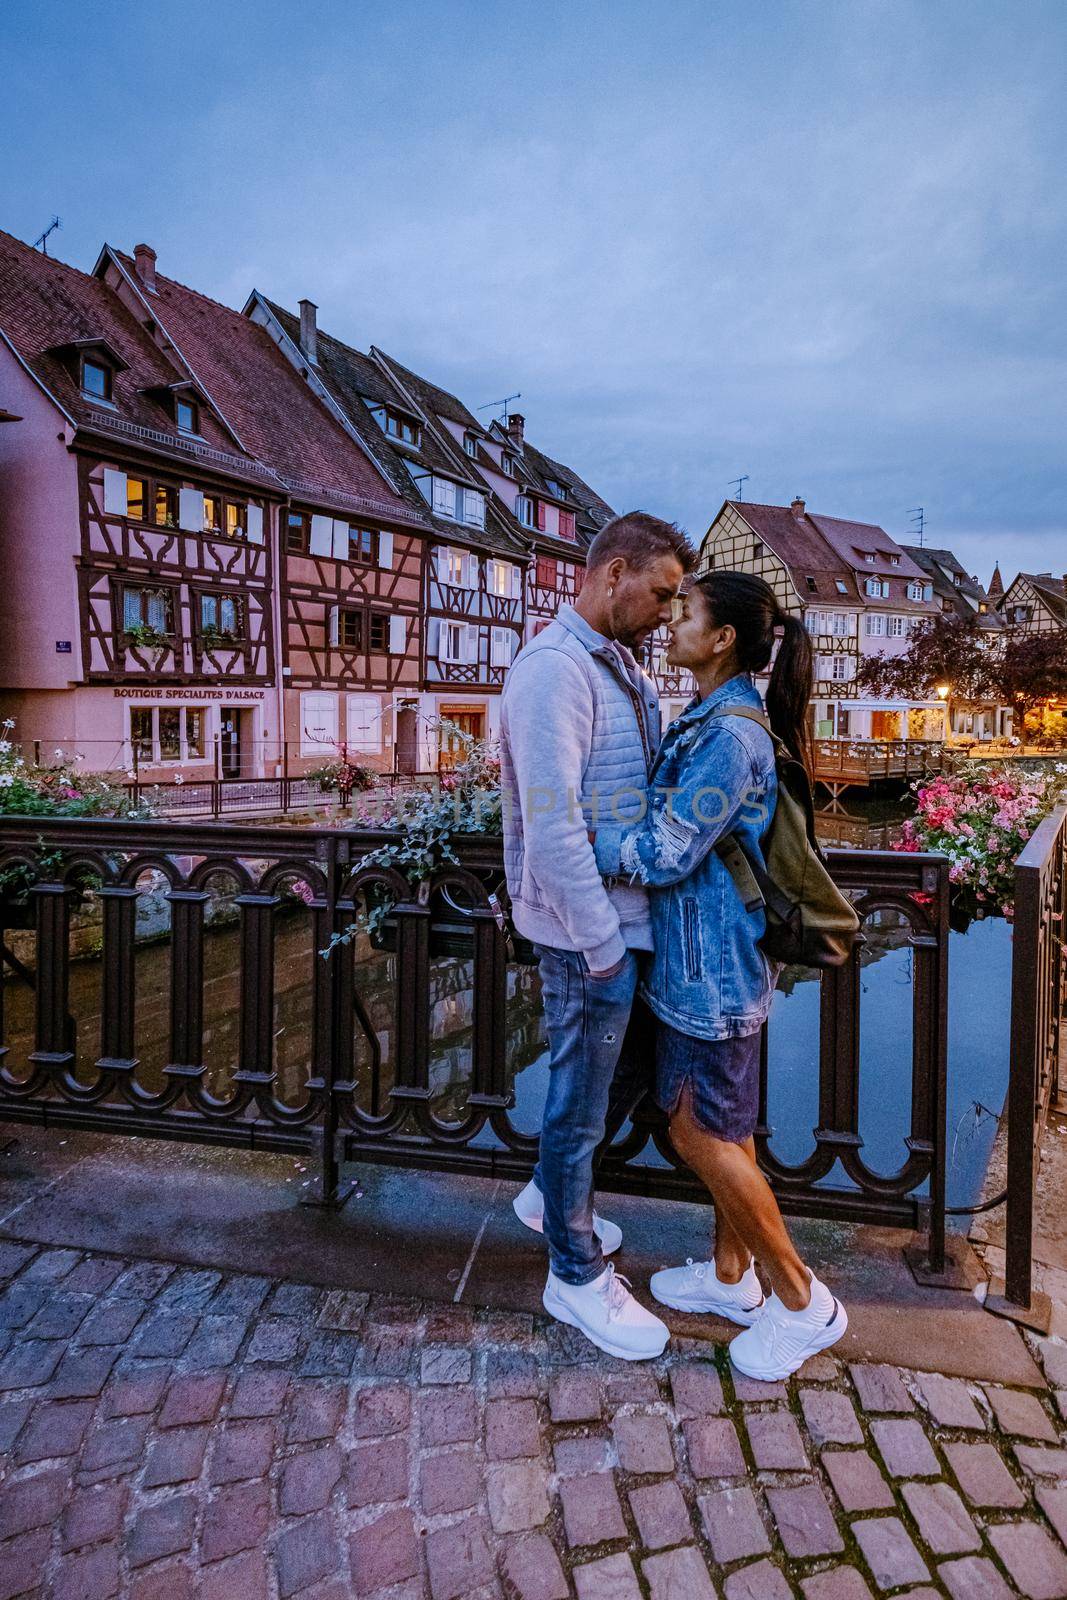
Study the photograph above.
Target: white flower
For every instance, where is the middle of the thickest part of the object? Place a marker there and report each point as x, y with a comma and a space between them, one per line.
6, 780
5, 746
59, 755
178, 778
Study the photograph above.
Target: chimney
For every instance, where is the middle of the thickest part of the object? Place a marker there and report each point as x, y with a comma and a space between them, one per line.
309, 333
797, 507
516, 424
144, 260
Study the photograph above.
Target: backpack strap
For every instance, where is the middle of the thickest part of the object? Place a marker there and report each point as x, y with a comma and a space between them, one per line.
750, 876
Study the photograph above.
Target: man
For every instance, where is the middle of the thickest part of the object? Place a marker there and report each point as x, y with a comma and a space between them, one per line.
579, 729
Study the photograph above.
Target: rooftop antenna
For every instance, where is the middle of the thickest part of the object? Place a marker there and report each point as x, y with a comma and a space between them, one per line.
41, 240
918, 517
743, 479
492, 404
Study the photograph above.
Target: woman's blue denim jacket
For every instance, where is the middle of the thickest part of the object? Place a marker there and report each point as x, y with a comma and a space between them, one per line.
713, 775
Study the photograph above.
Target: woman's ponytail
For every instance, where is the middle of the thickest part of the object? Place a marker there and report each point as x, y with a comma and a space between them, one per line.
789, 692
749, 605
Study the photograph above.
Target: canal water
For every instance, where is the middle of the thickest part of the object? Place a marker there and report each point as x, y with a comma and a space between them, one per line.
979, 991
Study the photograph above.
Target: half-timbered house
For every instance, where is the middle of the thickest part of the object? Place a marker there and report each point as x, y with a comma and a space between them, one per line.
472, 573
857, 592
1034, 602
347, 548
135, 611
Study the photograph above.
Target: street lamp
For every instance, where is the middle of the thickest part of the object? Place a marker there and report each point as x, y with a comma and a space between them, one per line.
943, 690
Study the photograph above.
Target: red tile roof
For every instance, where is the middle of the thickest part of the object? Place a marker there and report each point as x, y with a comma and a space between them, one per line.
274, 412
851, 539
44, 304
803, 549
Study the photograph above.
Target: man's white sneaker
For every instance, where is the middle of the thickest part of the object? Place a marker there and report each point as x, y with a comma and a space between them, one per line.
698, 1287
529, 1207
607, 1313
780, 1341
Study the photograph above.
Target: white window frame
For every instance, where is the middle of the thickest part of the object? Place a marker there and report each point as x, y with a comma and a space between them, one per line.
158, 759
526, 511
877, 588
319, 713
897, 627
840, 669
874, 625
453, 646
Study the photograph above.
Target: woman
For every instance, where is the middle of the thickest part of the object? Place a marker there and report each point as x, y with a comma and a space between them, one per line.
710, 985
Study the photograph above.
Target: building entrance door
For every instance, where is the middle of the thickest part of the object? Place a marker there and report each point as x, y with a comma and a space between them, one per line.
233, 741
463, 720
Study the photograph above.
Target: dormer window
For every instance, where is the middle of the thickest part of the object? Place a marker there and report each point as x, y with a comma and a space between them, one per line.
187, 415
868, 555
470, 443
894, 561
507, 465
96, 379
397, 424
525, 511
916, 592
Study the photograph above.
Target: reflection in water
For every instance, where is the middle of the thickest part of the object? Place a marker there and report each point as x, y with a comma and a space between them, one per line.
978, 1034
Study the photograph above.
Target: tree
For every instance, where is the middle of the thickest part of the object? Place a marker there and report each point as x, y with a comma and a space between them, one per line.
1018, 670
942, 650
1032, 668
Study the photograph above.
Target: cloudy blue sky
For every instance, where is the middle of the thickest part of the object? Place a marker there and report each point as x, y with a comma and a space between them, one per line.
820, 242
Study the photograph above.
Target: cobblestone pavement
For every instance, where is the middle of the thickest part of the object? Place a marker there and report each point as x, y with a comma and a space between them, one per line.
168, 1432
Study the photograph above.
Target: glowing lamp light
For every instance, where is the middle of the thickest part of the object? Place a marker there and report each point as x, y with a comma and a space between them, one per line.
942, 690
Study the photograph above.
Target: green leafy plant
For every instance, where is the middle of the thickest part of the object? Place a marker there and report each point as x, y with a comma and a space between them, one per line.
465, 800
212, 638
143, 636
59, 791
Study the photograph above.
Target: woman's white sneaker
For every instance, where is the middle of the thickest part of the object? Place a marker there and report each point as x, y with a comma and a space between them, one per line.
698, 1287
780, 1341
529, 1207
607, 1313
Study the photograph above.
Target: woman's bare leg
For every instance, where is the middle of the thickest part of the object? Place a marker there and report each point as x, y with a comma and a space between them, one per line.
743, 1196
732, 1255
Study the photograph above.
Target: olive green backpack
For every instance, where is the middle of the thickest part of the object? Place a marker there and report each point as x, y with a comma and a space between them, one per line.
810, 922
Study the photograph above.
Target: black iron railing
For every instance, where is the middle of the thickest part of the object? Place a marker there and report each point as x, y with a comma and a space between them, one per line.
1038, 1051
364, 1089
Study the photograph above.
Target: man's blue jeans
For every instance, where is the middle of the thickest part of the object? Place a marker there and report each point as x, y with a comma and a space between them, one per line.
594, 1082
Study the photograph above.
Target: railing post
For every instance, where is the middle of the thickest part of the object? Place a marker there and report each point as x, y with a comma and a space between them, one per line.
1037, 1027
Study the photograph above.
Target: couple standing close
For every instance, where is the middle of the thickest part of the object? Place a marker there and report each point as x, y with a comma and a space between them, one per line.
647, 953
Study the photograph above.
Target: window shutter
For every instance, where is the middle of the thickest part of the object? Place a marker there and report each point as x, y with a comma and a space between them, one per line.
398, 635
114, 492
566, 524
191, 510
444, 497
364, 722
433, 636
335, 626
340, 540
472, 649
385, 548
471, 568
516, 583
321, 543
542, 511
254, 525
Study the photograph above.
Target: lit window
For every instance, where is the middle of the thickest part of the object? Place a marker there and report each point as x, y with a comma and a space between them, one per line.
96, 380
136, 499
236, 519
187, 416
165, 506
212, 513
